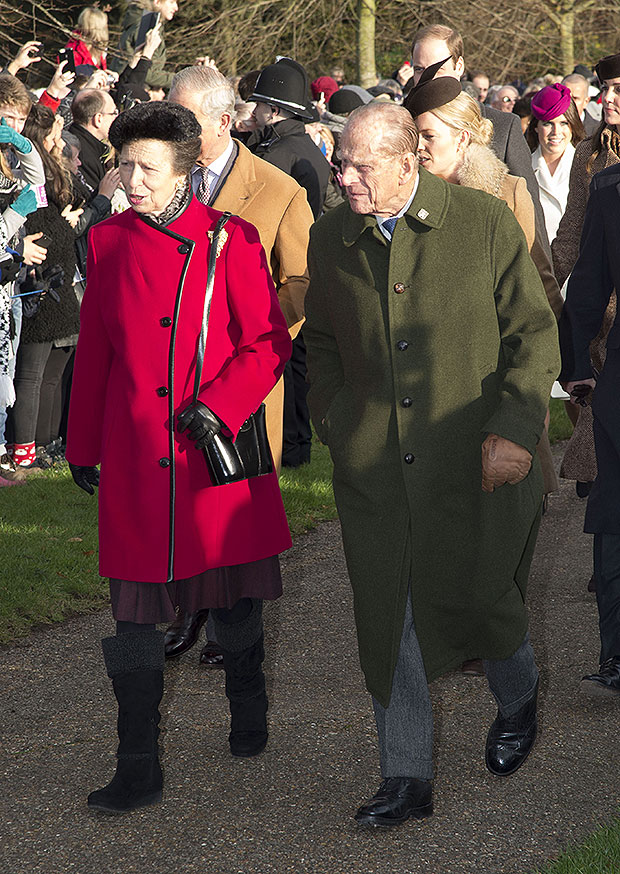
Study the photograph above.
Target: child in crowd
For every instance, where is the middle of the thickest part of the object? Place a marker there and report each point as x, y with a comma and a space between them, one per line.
21, 170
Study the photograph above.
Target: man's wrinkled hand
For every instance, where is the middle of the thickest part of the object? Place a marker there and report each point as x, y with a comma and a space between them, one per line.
503, 462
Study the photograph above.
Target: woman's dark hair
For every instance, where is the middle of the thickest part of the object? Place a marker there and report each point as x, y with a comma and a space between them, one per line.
523, 106
246, 85
572, 117
167, 122
38, 125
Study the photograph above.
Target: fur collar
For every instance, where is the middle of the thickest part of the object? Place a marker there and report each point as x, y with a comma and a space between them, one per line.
482, 169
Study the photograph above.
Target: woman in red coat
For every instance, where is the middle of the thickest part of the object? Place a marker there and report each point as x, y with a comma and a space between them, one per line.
167, 535
89, 42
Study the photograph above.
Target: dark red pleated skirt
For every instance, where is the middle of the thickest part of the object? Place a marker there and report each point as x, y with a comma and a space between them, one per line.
217, 587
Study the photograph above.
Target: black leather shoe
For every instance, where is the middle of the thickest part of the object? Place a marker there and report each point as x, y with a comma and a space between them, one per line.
211, 655
398, 799
606, 683
510, 739
183, 633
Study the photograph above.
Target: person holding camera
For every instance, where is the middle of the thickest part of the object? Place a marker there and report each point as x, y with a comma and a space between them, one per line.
21, 174
89, 42
51, 312
162, 11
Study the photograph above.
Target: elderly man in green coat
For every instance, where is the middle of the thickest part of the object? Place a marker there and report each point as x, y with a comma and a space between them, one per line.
431, 354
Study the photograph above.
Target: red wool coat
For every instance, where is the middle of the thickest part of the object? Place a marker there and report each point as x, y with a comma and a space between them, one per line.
82, 54
159, 516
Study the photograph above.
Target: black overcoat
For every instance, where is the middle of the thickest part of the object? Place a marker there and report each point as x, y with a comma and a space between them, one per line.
594, 277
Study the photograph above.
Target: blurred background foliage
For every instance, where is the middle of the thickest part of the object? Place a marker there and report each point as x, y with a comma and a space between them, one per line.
508, 39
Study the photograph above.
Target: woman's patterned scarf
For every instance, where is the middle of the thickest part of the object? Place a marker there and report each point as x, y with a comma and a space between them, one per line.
178, 203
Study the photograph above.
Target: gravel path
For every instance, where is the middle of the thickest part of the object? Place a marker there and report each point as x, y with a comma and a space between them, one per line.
290, 809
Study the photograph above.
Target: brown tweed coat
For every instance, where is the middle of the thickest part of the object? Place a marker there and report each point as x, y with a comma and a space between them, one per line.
565, 246
278, 208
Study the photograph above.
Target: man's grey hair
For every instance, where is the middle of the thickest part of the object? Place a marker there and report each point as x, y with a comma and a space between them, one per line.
69, 140
399, 134
213, 90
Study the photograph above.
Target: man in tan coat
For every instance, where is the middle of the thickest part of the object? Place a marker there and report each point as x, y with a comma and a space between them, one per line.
230, 178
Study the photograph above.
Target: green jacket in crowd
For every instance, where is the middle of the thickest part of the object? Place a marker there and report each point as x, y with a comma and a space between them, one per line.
157, 76
416, 351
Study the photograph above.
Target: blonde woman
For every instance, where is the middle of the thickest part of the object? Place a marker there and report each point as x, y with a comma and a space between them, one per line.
89, 42
455, 144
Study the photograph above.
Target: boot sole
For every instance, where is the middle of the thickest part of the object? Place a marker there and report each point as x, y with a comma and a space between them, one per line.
154, 798
388, 822
250, 753
597, 690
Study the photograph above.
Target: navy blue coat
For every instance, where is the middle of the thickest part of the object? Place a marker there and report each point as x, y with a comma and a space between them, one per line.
594, 277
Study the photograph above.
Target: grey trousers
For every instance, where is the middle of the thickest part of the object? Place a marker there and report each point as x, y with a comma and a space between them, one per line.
405, 726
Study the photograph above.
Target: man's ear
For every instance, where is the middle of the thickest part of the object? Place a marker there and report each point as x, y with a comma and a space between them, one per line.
225, 123
408, 167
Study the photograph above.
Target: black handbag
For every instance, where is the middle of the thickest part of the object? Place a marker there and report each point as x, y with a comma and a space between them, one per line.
249, 455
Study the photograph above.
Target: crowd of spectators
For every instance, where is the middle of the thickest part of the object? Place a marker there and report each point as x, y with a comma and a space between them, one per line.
59, 178
266, 146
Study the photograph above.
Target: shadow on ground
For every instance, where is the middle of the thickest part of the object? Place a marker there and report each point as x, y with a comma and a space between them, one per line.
290, 809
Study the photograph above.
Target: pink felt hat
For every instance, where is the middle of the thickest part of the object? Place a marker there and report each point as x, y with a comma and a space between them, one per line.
550, 102
324, 84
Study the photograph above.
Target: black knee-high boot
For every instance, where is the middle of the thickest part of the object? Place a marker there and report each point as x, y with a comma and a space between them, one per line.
243, 654
135, 664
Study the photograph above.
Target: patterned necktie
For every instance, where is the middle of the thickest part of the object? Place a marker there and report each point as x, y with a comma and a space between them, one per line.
389, 225
204, 192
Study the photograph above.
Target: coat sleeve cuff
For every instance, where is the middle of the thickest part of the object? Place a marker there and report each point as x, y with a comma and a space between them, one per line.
517, 426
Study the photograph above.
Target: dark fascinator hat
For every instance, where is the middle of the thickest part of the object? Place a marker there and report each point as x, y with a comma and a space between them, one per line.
550, 102
157, 120
432, 93
608, 67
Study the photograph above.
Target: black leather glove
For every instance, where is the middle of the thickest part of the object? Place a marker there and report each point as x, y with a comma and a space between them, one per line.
9, 271
201, 423
85, 477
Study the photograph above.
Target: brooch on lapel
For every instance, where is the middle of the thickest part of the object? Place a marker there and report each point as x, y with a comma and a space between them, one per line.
221, 240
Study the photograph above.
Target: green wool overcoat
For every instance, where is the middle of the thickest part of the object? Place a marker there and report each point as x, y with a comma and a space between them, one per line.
416, 351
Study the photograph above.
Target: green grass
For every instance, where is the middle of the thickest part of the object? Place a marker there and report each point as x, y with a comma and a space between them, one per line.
48, 537
560, 427
48, 532
598, 854
307, 491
